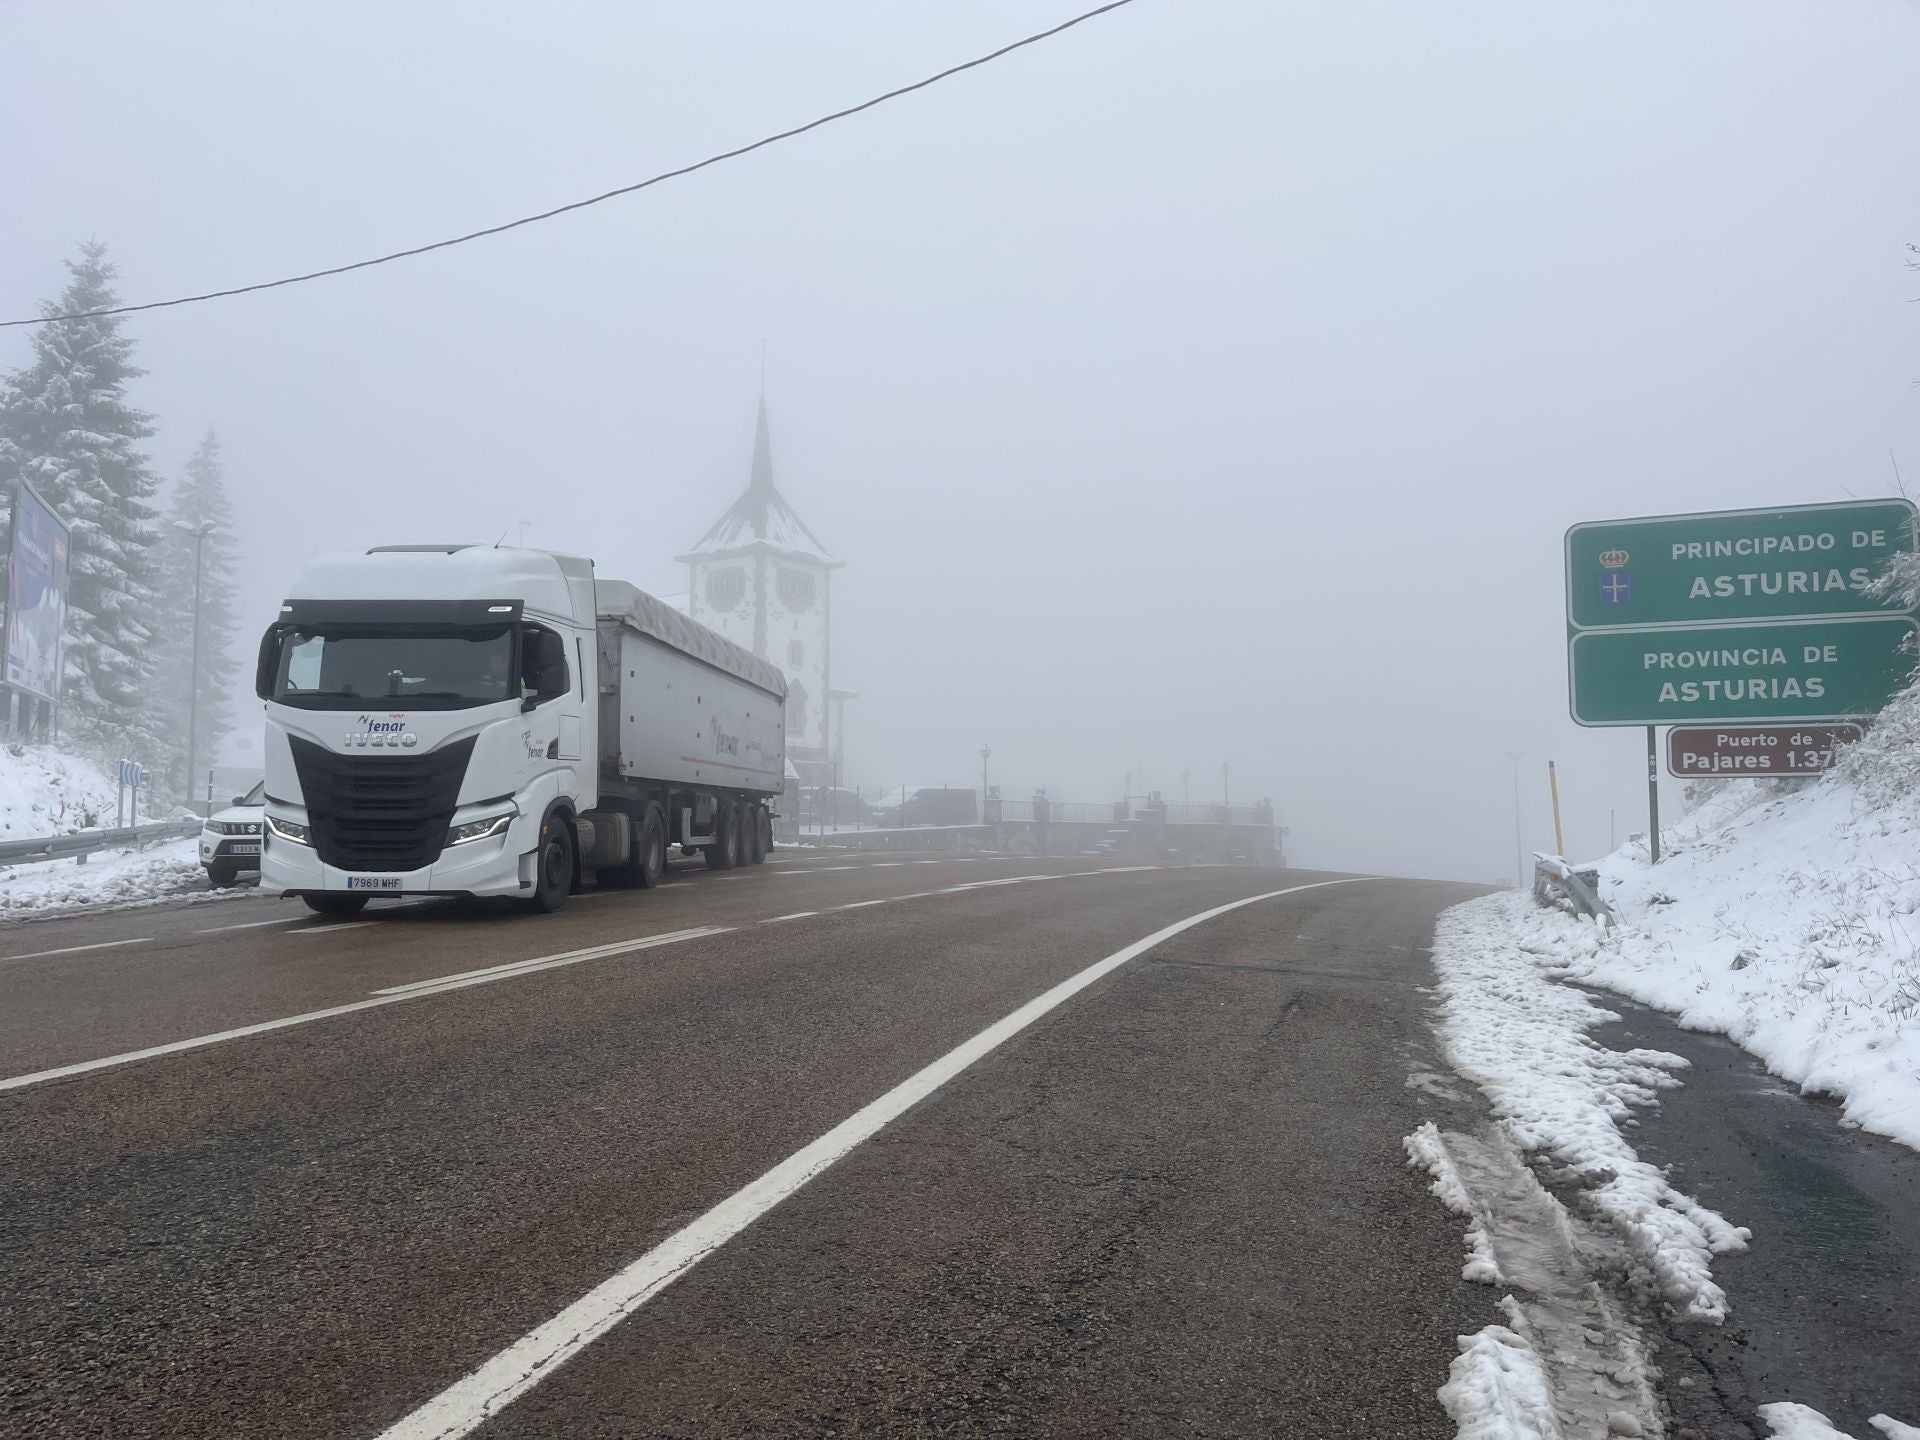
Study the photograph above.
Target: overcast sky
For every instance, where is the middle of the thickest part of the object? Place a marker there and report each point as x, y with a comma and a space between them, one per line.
1213, 383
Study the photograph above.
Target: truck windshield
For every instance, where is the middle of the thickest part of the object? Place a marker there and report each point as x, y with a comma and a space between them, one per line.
342, 667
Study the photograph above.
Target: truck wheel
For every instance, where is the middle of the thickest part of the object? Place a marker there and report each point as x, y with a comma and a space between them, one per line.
766, 834
336, 904
756, 838
649, 856
742, 847
724, 853
552, 869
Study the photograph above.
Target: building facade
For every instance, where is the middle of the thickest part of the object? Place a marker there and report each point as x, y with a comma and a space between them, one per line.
761, 578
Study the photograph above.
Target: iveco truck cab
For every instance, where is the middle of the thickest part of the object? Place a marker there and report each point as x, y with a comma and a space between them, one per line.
491, 721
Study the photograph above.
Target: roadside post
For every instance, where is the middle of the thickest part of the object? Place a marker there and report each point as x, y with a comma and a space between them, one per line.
1553, 785
1736, 619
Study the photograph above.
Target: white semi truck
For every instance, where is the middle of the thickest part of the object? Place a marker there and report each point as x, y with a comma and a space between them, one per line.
490, 721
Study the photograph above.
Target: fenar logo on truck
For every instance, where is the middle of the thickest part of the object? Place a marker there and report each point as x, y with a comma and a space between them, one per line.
378, 730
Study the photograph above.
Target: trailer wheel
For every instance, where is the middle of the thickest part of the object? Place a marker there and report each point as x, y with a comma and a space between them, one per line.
649, 855
742, 845
766, 833
553, 868
724, 853
756, 835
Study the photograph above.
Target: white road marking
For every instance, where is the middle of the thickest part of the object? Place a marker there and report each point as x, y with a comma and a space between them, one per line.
549, 962
886, 864
332, 929
671, 884
1122, 869
471, 1401
797, 915
76, 949
862, 904
389, 997
926, 862
250, 925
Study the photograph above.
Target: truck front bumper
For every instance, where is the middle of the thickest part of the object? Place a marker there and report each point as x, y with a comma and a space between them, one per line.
490, 867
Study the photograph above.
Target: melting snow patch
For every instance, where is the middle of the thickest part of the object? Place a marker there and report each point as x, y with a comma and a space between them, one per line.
1788, 1421
1508, 1025
1498, 1389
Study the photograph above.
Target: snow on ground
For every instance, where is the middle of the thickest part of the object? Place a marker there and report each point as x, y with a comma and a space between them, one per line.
1802, 1422
1787, 921
1498, 1389
1507, 1024
110, 877
44, 791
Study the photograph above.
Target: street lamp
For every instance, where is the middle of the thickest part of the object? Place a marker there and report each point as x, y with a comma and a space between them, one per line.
199, 533
985, 752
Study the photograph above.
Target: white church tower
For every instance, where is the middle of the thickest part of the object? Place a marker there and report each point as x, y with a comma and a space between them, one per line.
760, 578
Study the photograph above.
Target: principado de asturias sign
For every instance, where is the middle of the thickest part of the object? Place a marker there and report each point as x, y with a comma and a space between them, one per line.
1737, 616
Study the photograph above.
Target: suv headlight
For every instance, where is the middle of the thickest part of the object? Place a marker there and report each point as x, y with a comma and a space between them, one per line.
288, 830
481, 829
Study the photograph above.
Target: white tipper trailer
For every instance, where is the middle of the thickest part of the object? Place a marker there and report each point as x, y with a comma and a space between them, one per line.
493, 721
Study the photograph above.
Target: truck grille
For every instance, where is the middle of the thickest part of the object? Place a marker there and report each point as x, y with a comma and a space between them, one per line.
380, 812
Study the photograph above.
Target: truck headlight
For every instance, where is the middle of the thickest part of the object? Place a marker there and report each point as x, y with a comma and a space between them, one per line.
481, 829
288, 830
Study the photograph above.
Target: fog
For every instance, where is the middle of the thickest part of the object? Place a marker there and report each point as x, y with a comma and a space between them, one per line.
1210, 384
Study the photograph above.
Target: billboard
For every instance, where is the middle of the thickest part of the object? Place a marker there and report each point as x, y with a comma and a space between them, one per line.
36, 596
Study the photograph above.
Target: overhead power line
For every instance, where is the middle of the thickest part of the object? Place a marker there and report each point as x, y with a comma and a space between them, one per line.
571, 206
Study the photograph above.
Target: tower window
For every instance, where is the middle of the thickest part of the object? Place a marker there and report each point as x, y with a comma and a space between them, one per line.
796, 590
727, 588
796, 709
796, 654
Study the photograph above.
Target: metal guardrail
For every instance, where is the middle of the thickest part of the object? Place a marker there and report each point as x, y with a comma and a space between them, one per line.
64, 847
1557, 883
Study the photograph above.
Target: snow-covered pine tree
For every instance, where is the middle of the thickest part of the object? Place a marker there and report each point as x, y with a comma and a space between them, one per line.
66, 426
198, 498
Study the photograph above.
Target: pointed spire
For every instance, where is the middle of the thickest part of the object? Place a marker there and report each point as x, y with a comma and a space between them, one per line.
761, 482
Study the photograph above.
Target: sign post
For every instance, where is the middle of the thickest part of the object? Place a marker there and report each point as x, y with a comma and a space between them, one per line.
1735, 617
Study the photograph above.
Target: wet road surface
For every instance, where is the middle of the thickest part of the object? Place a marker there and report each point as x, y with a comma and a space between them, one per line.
1176, 1203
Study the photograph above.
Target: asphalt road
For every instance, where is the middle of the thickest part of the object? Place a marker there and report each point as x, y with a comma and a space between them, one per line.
1174, 1203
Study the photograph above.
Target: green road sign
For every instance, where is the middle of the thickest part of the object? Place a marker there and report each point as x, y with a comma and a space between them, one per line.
1731, 565
1726, 674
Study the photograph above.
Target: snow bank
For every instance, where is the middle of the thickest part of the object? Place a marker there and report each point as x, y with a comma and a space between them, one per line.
110, 877
1786, 920
1510, 1027
44, 791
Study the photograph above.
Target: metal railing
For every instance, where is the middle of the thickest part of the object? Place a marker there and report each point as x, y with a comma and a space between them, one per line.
83, 844
1558, 884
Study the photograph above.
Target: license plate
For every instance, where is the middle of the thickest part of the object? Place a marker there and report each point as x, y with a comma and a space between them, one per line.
244, 847
373, 882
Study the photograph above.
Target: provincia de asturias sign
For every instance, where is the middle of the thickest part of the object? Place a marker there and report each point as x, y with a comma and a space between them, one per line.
1737, 616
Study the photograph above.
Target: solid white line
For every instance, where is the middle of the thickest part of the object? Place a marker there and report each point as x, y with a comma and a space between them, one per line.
797, 915
413, 992
76, 949
549, 962
469, 1402
1121, 870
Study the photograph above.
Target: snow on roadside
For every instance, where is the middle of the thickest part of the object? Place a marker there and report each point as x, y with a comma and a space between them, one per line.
1790, 922
1497, 1389
1507, 1024
110, 877
45, 791
1789, 1421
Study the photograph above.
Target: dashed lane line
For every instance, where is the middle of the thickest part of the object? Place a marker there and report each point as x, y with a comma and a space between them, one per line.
393, 996
482, 1394
334, 929
796, 915
76, 949
249, 925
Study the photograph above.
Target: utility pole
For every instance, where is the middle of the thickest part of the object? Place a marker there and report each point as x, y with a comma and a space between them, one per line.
1226, 797
1519, 849
985, 751
199, 534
